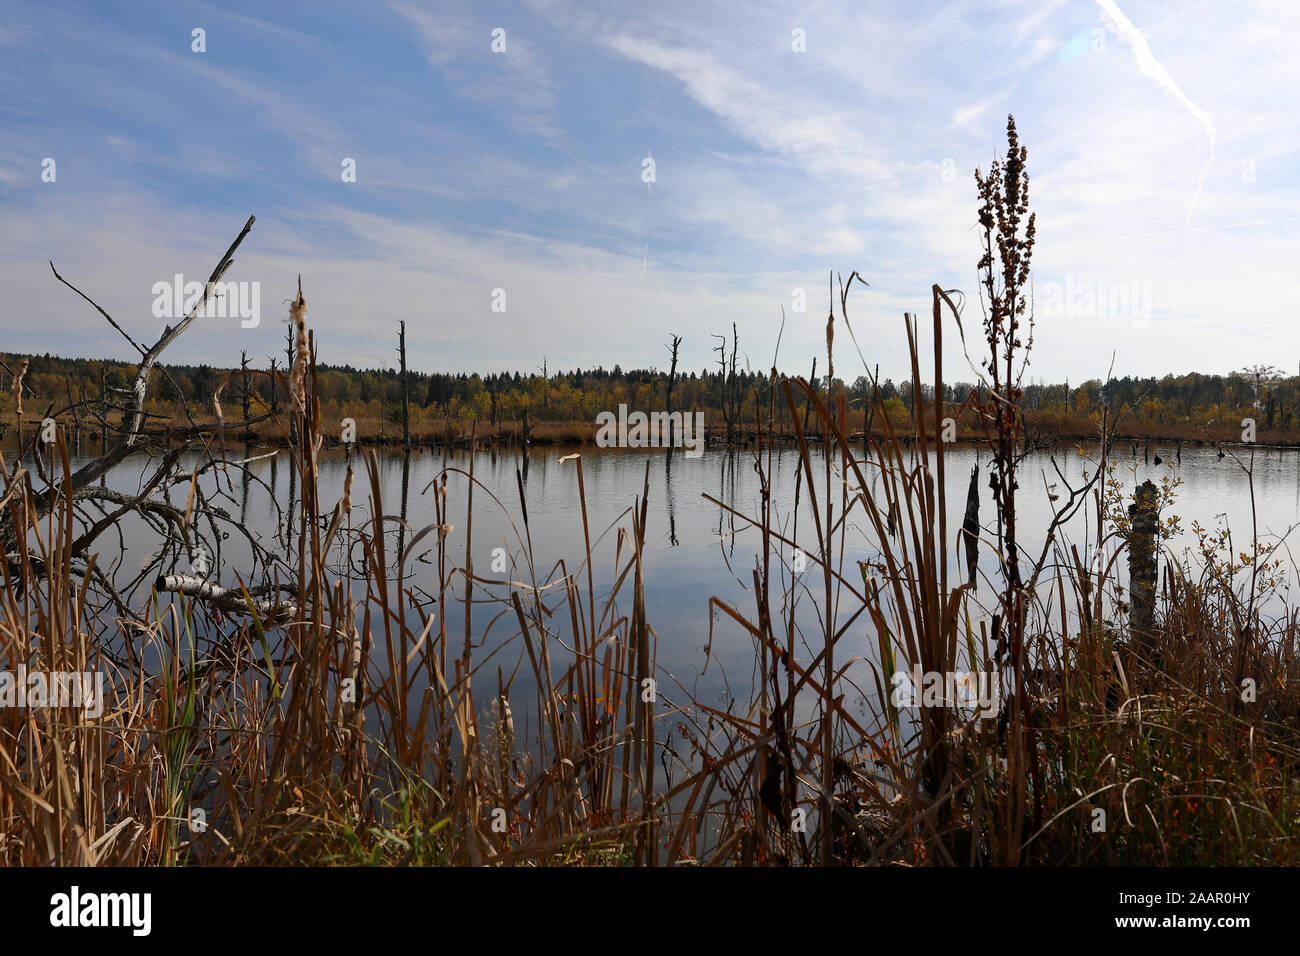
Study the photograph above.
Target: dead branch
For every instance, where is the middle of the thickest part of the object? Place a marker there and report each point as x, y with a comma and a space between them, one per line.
172, 333
231, 599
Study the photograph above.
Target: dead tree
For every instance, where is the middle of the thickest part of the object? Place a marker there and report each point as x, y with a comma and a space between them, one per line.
186, 531
406, 395
546, 390
668, 396
730, 386
244, 393
275, 388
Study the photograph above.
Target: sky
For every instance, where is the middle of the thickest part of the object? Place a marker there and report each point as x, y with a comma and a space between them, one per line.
575, 182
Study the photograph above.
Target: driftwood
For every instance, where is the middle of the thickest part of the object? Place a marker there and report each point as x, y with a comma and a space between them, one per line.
270, 609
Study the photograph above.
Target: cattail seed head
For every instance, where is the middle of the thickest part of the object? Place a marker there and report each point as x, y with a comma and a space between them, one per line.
298, 374
18, 386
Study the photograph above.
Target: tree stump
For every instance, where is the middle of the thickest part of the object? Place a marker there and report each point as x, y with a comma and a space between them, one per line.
1144, 520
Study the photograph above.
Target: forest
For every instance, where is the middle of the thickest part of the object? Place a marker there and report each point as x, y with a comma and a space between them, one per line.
1193, 406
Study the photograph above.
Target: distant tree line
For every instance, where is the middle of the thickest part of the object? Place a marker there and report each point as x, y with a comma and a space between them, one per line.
578, 395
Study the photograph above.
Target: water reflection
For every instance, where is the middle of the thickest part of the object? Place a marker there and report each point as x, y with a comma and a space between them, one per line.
696, 549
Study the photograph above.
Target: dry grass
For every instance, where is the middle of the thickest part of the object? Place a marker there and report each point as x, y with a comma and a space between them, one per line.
562, 761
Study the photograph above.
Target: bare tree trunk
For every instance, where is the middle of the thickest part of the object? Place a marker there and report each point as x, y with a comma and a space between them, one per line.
733, 386
668, 398
243, 389
275, 388
406, 394
103, 406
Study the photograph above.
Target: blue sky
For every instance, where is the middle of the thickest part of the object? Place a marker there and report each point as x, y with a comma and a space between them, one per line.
1162, 150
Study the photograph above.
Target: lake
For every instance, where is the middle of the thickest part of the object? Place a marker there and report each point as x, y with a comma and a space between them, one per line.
694, 551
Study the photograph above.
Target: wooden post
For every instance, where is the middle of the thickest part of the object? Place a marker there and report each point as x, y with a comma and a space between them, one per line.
1144, 518
406, 395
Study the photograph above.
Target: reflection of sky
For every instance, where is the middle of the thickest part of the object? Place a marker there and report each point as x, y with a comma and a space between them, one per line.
682, 577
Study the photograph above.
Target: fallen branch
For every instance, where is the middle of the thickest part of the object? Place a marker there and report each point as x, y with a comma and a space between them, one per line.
269, 609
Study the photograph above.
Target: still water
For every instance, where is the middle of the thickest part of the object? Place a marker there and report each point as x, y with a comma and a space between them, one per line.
695, 550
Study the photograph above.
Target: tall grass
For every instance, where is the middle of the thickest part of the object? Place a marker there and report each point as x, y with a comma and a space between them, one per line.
369, 724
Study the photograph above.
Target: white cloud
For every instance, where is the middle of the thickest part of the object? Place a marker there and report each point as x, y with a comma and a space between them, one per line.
822, 140
970, 116
775, 168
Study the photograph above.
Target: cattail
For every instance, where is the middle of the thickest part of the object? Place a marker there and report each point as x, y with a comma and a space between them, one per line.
347, 492
830, 353
356, 668
507, 721
298, 374
18, 387
505, 736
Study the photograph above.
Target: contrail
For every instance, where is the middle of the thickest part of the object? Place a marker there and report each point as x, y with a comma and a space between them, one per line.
1148, 64
645, 255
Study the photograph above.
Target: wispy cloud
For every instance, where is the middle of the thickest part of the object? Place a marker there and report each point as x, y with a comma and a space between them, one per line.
522, 170
513, 78
822, 140
969, 116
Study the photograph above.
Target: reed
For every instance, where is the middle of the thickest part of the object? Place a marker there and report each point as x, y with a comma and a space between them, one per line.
248, 721
342, 713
